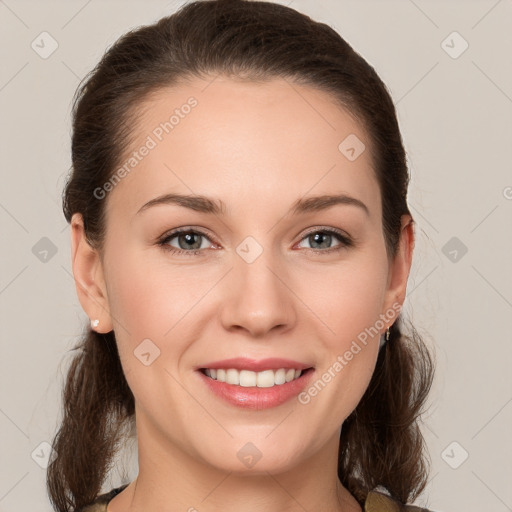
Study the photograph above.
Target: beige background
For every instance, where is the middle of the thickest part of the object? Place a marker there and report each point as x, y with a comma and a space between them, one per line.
456, 119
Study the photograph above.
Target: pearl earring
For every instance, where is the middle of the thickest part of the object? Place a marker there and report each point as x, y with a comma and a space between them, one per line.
95, 323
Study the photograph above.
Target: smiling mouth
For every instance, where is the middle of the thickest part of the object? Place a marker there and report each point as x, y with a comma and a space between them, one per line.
248, 378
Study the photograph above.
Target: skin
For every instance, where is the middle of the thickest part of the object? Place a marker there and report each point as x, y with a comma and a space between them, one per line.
259, 147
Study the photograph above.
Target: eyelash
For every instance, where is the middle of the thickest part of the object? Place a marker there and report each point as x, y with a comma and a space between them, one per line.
346, 241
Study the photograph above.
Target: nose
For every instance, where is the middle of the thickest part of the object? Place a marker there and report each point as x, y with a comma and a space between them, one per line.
258, 298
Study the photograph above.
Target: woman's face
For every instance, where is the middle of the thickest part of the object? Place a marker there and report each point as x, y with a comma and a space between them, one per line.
260, 278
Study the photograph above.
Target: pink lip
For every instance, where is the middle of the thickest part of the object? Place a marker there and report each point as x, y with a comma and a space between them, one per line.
257, 398
243, 363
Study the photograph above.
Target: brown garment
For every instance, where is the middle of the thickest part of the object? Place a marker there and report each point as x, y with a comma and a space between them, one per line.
376, 501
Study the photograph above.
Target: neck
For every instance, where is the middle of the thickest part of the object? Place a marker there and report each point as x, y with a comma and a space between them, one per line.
169, 475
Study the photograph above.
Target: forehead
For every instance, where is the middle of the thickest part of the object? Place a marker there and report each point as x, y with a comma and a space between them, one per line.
243, 141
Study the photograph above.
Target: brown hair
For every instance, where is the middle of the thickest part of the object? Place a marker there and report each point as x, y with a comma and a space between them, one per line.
381, 442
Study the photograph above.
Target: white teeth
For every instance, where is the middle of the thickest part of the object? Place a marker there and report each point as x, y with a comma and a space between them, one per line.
280, 376
247, 378
232, 376
265, 379
290, 375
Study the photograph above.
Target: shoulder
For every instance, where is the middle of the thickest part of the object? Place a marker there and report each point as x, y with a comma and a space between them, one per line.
101, 502
378, 501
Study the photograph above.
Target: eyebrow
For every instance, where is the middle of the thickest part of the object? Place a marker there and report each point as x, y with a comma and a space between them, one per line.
205, 204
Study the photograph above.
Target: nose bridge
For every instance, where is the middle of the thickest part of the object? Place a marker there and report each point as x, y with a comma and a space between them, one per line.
258, 299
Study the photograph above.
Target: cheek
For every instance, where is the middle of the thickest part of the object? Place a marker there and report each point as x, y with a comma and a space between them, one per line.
348, 298
133, 292
148, 296
142, 306
347, 303
145, 305
145, 293
152, 299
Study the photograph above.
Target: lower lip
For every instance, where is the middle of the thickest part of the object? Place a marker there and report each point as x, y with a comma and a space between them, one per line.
258, 398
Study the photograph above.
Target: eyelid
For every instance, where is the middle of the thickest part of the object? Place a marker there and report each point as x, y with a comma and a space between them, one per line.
346, 241
344, 238
327, 229
185, 229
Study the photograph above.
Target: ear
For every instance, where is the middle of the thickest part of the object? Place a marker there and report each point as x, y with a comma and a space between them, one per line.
89, 278
400, 267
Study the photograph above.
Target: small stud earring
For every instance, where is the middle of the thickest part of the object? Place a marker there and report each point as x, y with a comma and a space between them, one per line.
95, 323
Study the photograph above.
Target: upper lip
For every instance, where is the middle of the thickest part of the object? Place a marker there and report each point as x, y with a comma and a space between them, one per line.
243, 363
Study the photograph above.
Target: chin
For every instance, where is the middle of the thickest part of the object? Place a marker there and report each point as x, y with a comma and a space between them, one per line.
248, 458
